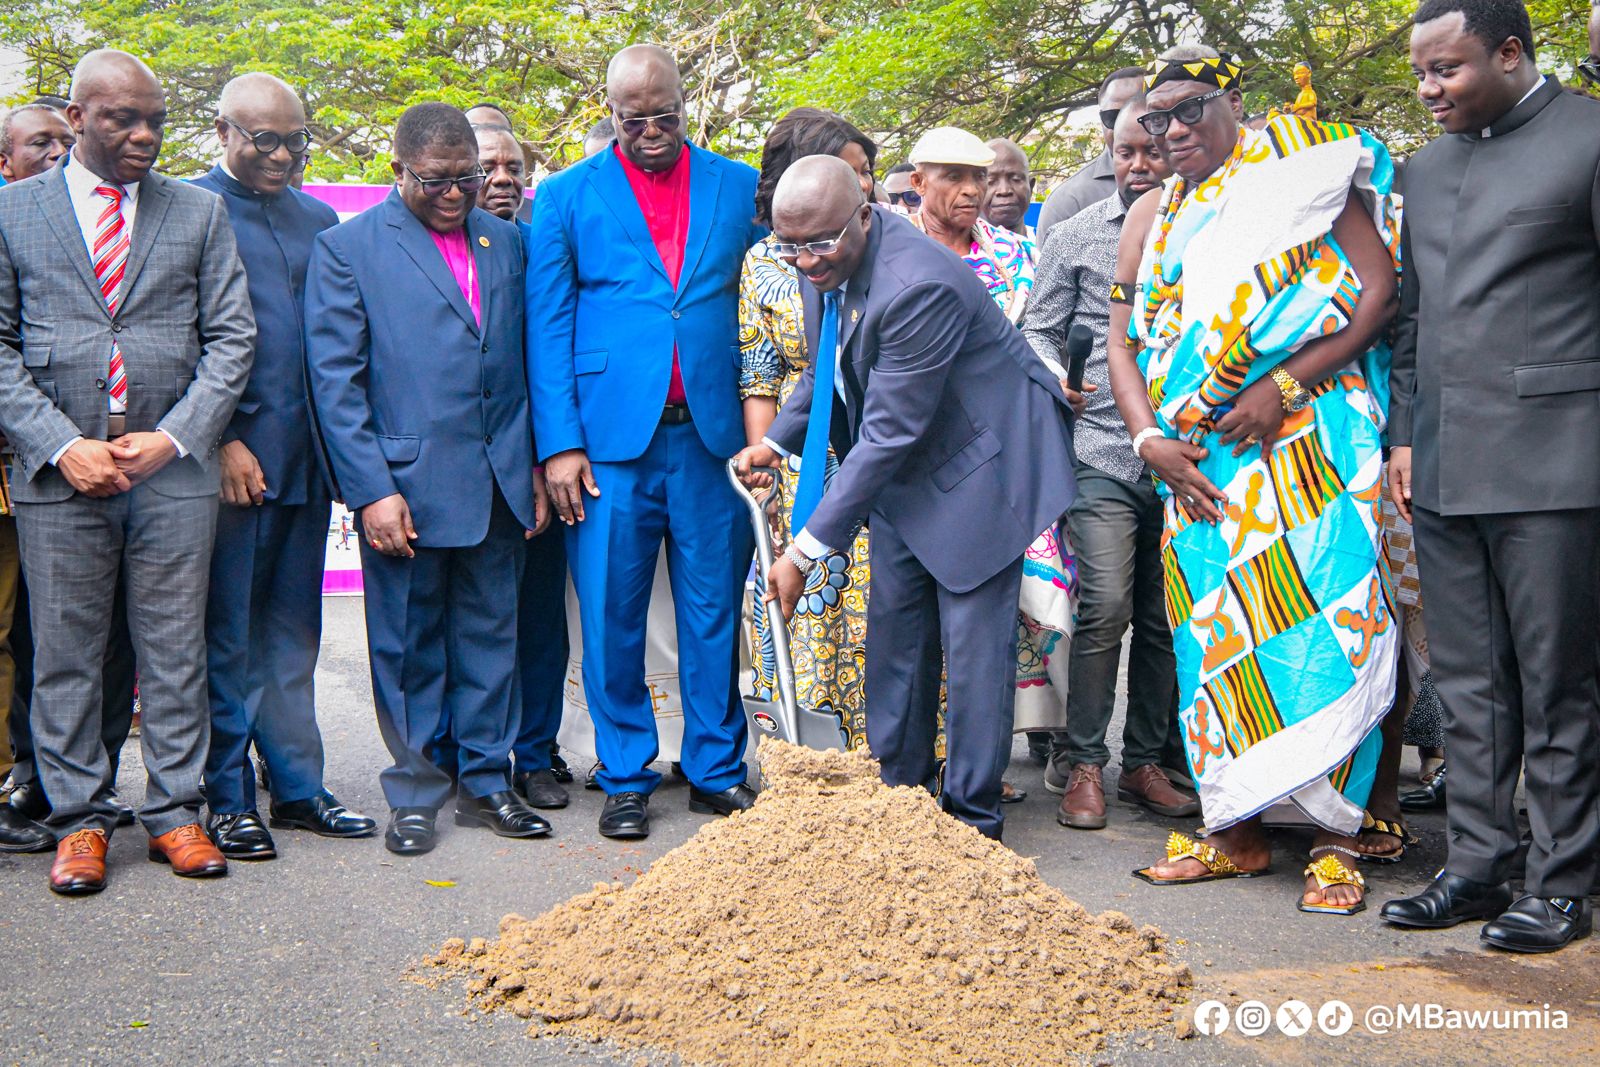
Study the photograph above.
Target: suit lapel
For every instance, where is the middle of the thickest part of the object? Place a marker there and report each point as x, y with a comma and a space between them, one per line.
55, 206
705, 182
154, 199
611, 182
413, 239
481, 246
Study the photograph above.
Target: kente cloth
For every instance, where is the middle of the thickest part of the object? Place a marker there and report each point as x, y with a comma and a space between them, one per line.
1283, 615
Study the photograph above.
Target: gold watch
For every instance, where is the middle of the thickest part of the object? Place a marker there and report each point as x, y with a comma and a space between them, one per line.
1295, 396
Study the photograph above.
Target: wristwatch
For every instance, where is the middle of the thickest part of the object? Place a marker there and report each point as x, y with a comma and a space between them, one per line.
1295, 396
802, 563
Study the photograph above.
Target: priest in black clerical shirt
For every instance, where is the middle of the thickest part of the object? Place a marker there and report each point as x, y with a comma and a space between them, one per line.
1495, 428
264, 615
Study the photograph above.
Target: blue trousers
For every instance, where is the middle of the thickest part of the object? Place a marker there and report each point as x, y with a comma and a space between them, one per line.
263, 632
442, 639
542, 649
677, 491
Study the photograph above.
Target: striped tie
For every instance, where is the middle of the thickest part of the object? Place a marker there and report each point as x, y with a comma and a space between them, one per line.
110, 255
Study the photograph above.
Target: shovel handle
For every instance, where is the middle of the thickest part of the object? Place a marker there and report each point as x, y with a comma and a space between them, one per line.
761, 512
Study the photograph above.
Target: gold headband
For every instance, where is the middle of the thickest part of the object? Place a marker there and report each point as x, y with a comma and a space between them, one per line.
1223, 72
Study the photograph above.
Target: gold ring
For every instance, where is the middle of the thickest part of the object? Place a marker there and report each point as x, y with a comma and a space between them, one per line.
1252, 440
376, 543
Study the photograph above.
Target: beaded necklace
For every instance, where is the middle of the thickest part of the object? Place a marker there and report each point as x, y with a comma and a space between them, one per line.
1160, 293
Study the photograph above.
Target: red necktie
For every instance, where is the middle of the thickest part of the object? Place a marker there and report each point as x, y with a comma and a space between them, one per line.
110, 255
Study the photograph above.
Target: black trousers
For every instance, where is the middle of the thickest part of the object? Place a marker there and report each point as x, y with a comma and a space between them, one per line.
1514, 645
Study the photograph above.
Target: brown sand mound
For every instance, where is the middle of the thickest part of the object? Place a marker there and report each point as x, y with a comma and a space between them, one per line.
837, 922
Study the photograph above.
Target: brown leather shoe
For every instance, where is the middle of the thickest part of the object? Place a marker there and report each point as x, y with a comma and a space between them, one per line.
1150, 786
80, 866
1084, 805
191, 853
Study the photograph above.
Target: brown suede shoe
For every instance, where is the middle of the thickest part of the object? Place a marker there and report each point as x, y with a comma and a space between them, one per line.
1150, 786
1084, 805
191, 853
80, 866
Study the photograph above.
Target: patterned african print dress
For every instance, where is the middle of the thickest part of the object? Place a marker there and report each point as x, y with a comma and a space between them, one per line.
827, 636
1283, 615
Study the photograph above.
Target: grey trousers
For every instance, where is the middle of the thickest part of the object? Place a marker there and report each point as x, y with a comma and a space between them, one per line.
1115, 528
1513, 642
72, 554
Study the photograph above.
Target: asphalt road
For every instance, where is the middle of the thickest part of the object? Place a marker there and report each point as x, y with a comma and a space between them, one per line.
304, 959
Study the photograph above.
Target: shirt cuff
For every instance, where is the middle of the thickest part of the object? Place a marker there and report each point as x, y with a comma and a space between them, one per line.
809, 546
182, 452
776, 447
56, 458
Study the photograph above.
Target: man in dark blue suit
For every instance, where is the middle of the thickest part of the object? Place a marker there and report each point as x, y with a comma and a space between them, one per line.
954, 449
264, 612
633, 361
542, 615
414, 343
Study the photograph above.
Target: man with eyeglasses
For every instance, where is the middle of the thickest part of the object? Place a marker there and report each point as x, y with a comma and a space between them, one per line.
1098, 180
414, 343
264, 612
633, 289
953, 447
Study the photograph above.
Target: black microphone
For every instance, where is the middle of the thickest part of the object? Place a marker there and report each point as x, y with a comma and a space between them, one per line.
1080, 341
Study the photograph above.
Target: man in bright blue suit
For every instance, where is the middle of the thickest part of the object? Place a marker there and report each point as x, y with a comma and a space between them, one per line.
633, 362
264, 611
414, 346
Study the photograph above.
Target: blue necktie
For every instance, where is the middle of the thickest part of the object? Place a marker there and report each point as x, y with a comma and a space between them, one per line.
814, 457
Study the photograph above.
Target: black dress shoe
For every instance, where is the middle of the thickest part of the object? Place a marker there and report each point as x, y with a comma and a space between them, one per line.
18, 833
540, 788
125, 814
558, 766
1448, 900
1429, 797
29, 801
240, 836
592, 779
411, 831
503, 812
626, 815
322, 815
1540, 924
735, 798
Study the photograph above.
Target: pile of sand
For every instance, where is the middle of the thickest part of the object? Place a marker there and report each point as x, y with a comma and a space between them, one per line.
837, 922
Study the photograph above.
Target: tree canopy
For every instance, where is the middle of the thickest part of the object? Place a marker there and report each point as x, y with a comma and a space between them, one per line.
896, 67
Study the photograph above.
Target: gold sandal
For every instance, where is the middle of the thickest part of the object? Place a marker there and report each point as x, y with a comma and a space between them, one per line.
1218, 865
1328, 871
1397, 828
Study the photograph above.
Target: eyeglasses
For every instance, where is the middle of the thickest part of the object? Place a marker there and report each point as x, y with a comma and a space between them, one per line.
267, 142
1108, 117
908, 198
666, 123
1187, 112
433, 188
789, 250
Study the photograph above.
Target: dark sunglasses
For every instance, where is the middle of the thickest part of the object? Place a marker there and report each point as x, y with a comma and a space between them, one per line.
266, 142
908, 198
1108, 117
1589, 70
1187, 112
433, 188
666, 123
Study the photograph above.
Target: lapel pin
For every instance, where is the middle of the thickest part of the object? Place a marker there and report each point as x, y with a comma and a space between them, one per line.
484, 241
855, 316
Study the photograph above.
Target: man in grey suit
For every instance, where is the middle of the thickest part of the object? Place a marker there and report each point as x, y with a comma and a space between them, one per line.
1496, 431
953, 447
125, 340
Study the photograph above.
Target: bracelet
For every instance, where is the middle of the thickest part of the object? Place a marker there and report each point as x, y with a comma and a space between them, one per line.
1141, 437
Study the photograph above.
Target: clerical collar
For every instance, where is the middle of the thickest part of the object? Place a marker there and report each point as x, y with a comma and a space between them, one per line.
1503, 125
234, 178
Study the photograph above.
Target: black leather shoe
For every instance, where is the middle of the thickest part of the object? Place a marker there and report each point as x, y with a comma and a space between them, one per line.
1427, 798
626, 815
29, 801
592, 779
503, 812
411, 831
324, 816
1540, 924
1448, 900
541, 788
125, 815
240, 836
18, 833
735, 798
558, 766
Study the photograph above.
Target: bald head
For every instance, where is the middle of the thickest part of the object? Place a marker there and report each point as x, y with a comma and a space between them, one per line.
819, 202
258, 92
640, 62
646, 98
1009, 188
814, 184
119, 113
257, 111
